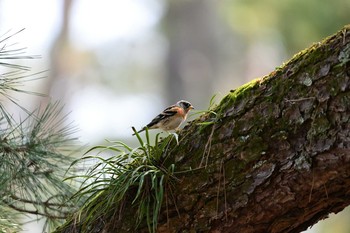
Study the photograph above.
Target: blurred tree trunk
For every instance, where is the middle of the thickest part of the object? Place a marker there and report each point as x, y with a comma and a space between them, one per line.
191, 28
60, 53
274, 158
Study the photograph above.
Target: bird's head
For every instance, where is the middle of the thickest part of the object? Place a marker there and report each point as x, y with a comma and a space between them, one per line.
187, 106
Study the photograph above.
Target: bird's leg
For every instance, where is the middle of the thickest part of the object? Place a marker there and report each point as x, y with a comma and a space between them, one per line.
176, 136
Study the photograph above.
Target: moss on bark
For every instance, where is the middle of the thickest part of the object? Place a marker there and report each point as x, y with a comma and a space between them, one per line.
276, 155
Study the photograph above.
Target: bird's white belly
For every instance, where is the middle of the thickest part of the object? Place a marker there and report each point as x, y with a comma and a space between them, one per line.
172, 124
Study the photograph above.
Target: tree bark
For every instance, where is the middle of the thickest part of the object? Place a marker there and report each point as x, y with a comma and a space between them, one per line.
275, 156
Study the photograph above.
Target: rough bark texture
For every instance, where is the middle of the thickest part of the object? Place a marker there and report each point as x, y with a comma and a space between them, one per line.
274, 158
278, 154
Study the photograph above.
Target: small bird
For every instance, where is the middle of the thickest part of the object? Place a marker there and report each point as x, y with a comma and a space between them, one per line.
171, 118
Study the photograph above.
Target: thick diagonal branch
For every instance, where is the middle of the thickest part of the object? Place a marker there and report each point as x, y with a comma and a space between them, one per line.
275, 156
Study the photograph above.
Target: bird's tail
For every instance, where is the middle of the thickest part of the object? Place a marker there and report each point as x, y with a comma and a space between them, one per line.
133, 128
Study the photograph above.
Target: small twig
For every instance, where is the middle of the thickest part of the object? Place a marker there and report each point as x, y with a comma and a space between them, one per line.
344, 36
225, 195
300, 99
36, 212
167, 209
222, 168
207, 148
174, 200
218, 192
43, 203
325, 189
312, 187
121, 208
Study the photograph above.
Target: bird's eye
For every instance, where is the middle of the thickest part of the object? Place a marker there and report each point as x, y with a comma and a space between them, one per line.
185, 104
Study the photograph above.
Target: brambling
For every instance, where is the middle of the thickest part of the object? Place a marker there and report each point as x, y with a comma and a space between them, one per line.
171, 118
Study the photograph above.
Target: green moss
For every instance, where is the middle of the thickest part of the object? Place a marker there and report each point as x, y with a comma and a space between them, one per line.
315, 53
280, 135
344, 55
302, 163
211, 118
239, 165
254, 148
242, 92
318, 128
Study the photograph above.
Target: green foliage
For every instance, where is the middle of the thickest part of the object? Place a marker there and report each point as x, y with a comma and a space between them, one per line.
131, 176
34, 151
8, 220
214, 116
9, 51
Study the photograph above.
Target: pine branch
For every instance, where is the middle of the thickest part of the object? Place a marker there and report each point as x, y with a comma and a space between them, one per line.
34, 167
8, 220
35, 152
7, 52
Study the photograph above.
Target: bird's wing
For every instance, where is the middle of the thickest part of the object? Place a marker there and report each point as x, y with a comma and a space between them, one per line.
168, 112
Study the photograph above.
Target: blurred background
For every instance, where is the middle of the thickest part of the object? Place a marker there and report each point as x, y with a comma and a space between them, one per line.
118, 63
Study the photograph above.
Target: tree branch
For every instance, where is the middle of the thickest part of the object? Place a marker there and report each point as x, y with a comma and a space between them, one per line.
284, 143
274, 158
